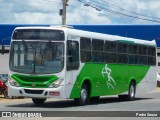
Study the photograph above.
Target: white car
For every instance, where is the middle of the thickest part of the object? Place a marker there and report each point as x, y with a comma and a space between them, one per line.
158, 79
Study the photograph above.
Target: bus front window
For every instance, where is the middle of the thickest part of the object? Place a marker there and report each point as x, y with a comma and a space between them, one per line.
37, 57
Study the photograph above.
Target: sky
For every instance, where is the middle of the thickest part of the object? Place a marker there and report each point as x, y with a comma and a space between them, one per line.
98, 11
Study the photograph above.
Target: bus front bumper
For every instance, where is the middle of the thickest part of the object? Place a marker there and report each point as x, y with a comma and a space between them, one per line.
36, 92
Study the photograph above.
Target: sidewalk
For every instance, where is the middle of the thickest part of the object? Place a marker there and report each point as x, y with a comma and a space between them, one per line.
156, 90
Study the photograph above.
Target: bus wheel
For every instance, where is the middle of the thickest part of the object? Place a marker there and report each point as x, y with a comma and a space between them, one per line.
84, 96
132, 91
38, 101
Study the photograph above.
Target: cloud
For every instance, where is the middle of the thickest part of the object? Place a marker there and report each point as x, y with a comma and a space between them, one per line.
29, 11
42, 11
36, 18
145, 7
86, 15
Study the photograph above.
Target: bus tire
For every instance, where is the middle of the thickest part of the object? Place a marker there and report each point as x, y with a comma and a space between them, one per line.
38, 101
132, 91
84, 96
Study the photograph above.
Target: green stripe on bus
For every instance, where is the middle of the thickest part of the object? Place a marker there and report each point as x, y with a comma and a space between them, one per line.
124, 41
108, 79
38, 81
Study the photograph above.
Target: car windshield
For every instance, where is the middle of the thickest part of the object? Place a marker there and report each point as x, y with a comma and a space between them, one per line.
4, 77
37, 57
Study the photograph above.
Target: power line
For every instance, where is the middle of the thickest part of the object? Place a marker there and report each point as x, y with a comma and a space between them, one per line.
132, 12
119, 11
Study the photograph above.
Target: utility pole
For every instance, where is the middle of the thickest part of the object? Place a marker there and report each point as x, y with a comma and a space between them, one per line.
63, 11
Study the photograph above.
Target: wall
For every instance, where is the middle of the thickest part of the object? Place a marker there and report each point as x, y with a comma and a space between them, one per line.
4, 60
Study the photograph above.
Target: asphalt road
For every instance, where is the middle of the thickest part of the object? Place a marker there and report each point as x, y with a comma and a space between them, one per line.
148, 102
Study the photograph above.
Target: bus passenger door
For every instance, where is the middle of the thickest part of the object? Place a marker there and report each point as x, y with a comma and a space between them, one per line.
72, 65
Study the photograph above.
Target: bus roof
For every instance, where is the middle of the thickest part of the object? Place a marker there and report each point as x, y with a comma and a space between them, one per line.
80, 33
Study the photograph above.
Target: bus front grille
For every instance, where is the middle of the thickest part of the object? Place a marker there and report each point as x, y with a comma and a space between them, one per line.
33, 91
36, 86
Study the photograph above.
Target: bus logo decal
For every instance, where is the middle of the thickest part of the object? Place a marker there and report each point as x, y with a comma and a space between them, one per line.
33, 85
106, 70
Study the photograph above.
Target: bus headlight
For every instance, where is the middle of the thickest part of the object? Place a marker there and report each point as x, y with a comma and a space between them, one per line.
56, 83
13, 82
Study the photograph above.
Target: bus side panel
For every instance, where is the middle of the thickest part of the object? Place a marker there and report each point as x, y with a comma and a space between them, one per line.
93, 73
121, 74
73, 85
108, 79
149, 82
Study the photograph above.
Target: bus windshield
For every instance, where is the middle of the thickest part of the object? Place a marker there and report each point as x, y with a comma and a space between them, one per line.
37, 57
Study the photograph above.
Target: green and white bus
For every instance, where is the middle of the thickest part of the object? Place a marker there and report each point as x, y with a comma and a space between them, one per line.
62, 62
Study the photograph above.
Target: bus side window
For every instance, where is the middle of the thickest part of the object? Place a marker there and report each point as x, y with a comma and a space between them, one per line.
142, 51
110, 49
132, 54
151, 56
122, 53
97, 51
72, 55
85, 48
